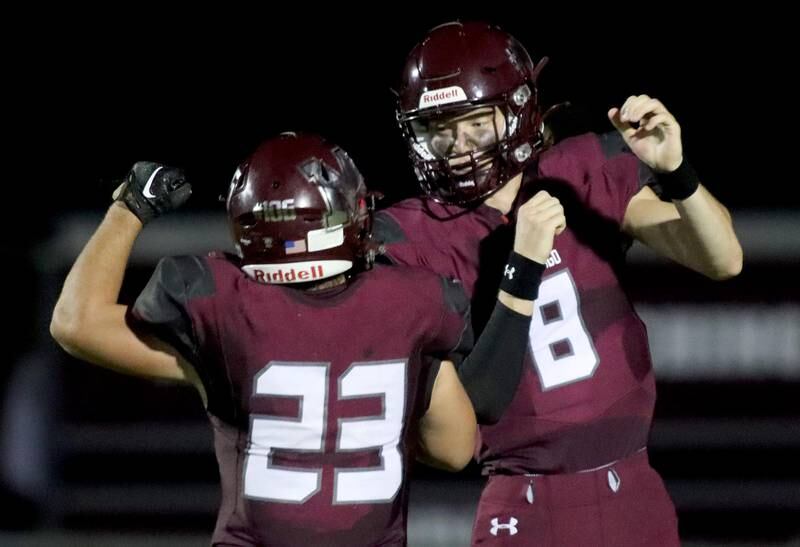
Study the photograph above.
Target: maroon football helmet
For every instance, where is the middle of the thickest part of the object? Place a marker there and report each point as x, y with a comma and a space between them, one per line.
298, 211
456, 69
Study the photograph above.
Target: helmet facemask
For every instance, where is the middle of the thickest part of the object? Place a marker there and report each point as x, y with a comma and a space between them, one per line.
456, 69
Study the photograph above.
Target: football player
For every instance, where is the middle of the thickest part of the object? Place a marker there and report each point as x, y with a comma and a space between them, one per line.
567, 461
321, 376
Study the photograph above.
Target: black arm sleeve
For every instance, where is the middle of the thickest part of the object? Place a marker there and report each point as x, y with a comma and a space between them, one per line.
492, 371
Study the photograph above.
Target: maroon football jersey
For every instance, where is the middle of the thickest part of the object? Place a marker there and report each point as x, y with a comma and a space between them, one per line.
312, 396
586, 397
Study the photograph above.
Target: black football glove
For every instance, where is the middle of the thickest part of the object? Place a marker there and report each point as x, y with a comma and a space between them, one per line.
152, 189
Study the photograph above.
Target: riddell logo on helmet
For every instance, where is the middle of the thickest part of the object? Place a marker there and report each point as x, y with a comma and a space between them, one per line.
291, 275
296, 272
446, 95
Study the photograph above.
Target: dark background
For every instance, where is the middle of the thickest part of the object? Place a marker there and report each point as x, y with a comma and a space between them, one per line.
89, 93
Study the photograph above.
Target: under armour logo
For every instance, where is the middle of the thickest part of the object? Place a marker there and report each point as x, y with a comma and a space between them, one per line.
509, 272
511, 526
614, 481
